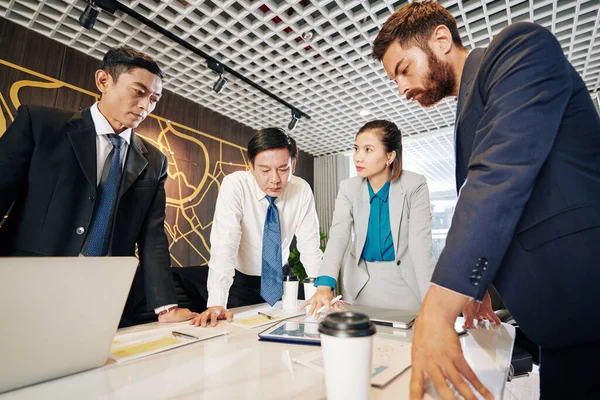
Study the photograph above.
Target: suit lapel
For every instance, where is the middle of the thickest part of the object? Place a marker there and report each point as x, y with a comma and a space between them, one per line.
466, 85
82, 135
396, 205
135, 163
362, 218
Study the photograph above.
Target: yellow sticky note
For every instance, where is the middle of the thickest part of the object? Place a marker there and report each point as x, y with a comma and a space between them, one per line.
143, 347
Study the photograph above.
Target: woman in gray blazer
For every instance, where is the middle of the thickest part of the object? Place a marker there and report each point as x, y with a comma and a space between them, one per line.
390, 263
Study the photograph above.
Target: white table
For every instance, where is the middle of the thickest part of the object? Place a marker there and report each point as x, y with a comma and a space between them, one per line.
238, 366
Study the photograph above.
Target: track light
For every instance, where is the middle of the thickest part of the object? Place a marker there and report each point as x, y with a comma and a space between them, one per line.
295, 118
112, 5
220, 84
87, 19
216, 66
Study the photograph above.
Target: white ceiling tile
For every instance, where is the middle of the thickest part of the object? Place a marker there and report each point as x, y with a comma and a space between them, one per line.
331, 77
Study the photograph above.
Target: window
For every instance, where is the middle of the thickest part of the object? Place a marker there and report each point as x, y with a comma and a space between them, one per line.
442, 209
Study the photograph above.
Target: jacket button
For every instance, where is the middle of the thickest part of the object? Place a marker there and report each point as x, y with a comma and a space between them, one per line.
80, 230
92, 198
398, 262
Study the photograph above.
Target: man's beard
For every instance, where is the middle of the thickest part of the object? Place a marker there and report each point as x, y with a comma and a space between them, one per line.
439, 82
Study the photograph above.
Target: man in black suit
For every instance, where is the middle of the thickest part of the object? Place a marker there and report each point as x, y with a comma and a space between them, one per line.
528, 213
86, 184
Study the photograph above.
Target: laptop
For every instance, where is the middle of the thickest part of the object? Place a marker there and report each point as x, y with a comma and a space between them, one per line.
382, 316
59, 315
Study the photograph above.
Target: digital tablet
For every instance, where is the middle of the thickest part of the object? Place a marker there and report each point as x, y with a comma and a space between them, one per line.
301, 332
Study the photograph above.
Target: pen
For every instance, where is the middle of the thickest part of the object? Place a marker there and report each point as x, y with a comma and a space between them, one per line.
185, 335
266, 315
333, 301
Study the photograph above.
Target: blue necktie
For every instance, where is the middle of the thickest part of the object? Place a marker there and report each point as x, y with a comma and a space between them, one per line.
271, 283
108, 194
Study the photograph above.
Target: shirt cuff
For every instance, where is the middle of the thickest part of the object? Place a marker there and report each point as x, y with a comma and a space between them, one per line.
217, 298
325, 281
164, 308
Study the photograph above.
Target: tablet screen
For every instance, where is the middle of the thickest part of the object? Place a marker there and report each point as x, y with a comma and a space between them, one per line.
293, 331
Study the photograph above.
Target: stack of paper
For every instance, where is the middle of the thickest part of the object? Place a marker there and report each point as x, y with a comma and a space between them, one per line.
131, 346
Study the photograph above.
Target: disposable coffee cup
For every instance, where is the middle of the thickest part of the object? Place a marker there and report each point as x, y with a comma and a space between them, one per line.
290, 293
309, 288
347, 344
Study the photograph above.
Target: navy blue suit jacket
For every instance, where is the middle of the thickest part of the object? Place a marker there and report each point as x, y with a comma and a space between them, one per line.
528, 175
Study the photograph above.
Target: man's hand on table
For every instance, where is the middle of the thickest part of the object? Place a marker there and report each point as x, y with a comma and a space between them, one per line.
475, 310
436, 350
176, 314
212, 314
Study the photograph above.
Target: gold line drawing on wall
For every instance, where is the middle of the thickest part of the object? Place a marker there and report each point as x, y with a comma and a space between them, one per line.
2, 117
190, 182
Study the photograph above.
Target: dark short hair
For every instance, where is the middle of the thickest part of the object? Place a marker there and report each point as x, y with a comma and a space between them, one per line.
391, 137
271, 138
413, 24
123, 59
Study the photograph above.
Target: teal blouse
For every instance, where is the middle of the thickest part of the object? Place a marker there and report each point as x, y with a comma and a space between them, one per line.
379, 244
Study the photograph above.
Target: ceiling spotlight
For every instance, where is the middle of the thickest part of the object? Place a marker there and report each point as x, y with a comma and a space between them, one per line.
364, 112
295, 118
307, 36
216, 66
88, 16
220, 84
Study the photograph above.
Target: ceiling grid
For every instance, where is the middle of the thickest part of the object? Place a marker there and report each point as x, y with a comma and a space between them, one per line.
330, 76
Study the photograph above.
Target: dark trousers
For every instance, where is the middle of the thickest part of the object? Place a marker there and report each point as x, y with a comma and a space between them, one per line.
190, 289
244, 291
570, 372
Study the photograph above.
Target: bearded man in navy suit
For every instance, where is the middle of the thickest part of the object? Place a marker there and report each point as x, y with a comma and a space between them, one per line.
527, 141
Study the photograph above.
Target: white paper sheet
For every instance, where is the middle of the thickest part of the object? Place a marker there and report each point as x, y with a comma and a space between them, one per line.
391, 357
251, 319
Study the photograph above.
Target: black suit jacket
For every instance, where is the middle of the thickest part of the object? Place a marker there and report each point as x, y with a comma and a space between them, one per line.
48, 168
528, 174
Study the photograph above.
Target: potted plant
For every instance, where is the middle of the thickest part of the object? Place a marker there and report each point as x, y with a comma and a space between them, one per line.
294, 260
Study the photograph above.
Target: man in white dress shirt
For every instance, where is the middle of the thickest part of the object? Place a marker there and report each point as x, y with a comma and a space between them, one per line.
247, 202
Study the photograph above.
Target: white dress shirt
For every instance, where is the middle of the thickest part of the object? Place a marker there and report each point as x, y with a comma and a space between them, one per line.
103, 148
103, 145
237, 230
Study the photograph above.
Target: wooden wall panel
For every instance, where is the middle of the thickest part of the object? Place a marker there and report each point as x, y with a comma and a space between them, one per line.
74, 62
17, 47
305, 167
202, 145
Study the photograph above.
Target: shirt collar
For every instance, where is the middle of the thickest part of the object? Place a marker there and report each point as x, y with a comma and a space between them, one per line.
382, 194
103, 127
258, 193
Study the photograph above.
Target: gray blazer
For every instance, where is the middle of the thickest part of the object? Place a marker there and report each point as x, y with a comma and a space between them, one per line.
410, 220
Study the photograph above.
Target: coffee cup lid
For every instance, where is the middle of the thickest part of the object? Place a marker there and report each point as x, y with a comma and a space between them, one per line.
290, 278
347, 324
309, 280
